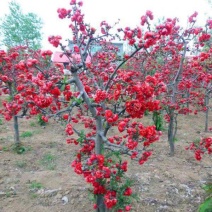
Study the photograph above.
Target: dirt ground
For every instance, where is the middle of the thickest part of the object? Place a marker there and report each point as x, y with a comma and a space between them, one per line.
41, 179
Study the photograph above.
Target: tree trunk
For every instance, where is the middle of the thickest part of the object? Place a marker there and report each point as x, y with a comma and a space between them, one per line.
99, 150
171, 133
98, 142
100, 204
15, 119
187, 95
16, 130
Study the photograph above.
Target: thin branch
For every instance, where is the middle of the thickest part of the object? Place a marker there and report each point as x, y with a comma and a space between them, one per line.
75, 103
117, 68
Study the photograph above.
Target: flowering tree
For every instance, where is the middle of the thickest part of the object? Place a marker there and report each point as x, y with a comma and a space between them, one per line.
26, 77
115, 99
169, 61
203, 85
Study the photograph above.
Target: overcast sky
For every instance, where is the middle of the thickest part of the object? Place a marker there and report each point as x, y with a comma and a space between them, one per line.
128, 11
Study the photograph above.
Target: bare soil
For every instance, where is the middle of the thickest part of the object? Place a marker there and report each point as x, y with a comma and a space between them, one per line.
41, 179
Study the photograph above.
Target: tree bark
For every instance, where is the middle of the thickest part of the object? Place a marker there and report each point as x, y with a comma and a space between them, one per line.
171, 133
100, 204
99, 150
16, 130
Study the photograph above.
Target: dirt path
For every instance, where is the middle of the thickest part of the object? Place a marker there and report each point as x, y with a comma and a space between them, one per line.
41, 179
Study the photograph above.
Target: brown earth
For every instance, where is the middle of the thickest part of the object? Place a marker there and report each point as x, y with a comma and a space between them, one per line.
41, 179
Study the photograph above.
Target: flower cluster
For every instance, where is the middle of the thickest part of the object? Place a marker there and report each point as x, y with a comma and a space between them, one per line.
105, 174
55, 40
201, 147
32, 86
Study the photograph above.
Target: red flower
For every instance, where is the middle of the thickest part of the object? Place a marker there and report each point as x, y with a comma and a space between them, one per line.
149, 14
69, 129
128, 208
121, 126
44, 118
76, 49
128, 191
62, 12
55, 40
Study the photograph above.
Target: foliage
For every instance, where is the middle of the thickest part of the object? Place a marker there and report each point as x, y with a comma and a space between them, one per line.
207, 204
158, 120
32, 124
19, 148
20, 29
26, 134
40, 121
34, 185
48, 161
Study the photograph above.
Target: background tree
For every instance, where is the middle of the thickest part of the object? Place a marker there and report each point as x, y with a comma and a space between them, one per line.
19, 29
28, 85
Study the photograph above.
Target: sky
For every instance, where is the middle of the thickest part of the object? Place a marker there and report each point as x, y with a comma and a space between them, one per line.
128, 11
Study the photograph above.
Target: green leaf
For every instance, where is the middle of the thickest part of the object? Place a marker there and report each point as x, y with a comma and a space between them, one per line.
78, 101
63, 87
81, 137
208, 188
64, 83
206, 206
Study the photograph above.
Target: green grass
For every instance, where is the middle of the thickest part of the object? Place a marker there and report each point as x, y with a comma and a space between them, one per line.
176, 140
20, 148
1, 122
28, 148
37, 131
5, 149
32, 124
26, 134
35, 185
8, 194
48, 161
